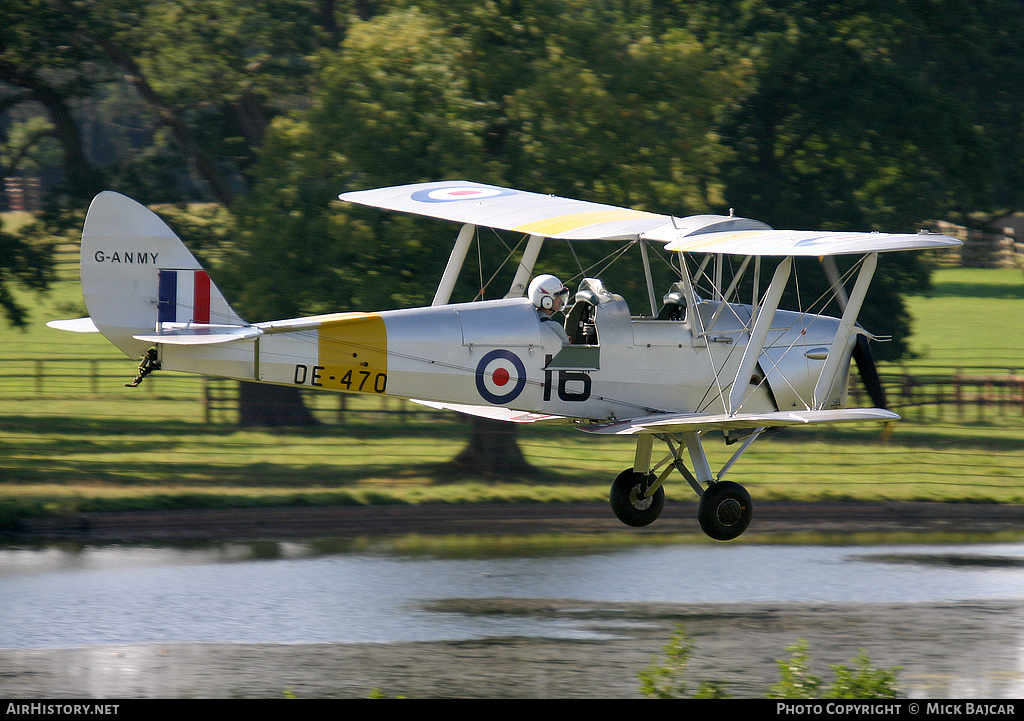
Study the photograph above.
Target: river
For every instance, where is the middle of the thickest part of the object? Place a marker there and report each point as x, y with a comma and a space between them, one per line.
282, 592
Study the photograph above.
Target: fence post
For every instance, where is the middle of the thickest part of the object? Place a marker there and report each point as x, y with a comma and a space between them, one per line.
959, 394
206, 399
1014, 388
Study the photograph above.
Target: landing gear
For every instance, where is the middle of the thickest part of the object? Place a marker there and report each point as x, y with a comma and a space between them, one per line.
632, 500
724, 510
637, 495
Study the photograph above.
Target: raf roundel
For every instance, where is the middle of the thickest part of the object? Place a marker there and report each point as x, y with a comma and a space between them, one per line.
456, 193
500, 376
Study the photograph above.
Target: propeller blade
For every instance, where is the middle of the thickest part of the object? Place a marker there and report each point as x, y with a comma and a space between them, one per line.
865, 360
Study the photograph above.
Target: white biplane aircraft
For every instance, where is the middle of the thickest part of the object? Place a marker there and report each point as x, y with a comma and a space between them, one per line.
693, 366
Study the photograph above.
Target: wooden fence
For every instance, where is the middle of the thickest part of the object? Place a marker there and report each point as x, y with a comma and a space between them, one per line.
961, 395
915, 393
62, 382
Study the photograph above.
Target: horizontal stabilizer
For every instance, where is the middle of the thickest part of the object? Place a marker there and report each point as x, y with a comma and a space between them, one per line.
679, 422
75, 325
200, 334
494, 413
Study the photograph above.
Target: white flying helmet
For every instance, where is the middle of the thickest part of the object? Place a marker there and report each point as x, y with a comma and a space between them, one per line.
543, 290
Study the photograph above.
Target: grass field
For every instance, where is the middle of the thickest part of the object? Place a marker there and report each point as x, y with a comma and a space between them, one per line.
76, 439
973, 319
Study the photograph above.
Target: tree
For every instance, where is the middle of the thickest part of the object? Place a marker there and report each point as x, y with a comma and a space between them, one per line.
205, 68
844, 115
406, 98
25, 263
389, 107
43, 71
863, 116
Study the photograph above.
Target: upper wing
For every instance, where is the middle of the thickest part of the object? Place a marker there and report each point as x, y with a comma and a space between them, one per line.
798, 242
564, 218
507, 209
676, 422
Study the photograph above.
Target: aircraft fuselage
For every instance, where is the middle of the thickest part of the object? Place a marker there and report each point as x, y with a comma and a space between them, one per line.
498, 353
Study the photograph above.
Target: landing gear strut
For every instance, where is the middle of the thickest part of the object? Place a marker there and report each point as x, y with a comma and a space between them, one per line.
638, 495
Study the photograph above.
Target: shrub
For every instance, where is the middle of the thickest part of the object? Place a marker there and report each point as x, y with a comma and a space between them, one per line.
666, 678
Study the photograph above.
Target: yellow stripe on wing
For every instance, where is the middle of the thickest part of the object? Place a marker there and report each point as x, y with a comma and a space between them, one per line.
560, 224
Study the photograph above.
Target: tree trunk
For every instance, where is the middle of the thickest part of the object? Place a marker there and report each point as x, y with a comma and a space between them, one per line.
261, 405
493, 449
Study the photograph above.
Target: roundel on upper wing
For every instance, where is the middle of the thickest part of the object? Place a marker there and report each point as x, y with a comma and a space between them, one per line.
500, 376
455, 193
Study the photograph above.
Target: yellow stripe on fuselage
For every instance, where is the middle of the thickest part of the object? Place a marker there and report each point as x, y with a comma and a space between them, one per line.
353, 352
555, 226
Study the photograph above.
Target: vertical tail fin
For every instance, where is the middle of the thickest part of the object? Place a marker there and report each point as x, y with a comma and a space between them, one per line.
138, 275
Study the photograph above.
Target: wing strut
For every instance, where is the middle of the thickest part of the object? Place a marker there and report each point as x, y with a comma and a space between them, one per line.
765, 316
454, 267
847, 326
650, 280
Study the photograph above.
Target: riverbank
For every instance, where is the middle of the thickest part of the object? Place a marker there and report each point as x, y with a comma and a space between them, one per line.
770, 517
954, 650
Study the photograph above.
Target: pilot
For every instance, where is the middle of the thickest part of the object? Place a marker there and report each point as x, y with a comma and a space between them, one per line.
549, 296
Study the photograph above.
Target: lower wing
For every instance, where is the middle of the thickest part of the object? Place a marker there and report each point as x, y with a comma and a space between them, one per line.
674, 422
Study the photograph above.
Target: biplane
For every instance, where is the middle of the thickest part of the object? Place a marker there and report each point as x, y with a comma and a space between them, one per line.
698, 364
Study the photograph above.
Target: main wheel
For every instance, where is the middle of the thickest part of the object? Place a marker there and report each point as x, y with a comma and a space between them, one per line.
725, 510
629, 503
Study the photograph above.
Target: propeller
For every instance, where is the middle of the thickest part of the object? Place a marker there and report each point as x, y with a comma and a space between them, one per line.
865, 361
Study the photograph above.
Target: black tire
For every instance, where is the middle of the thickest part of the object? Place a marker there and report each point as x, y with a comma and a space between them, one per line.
725, 510
627, 504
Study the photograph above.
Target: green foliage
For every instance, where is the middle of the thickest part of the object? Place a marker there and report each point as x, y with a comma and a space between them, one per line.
26, 262
666, 677
796, 680
862, 681
619, 117
631, 122
900, 127
392, 106
29, 145
845, 115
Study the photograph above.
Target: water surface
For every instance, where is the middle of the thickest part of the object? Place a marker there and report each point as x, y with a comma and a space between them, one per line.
61, 597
